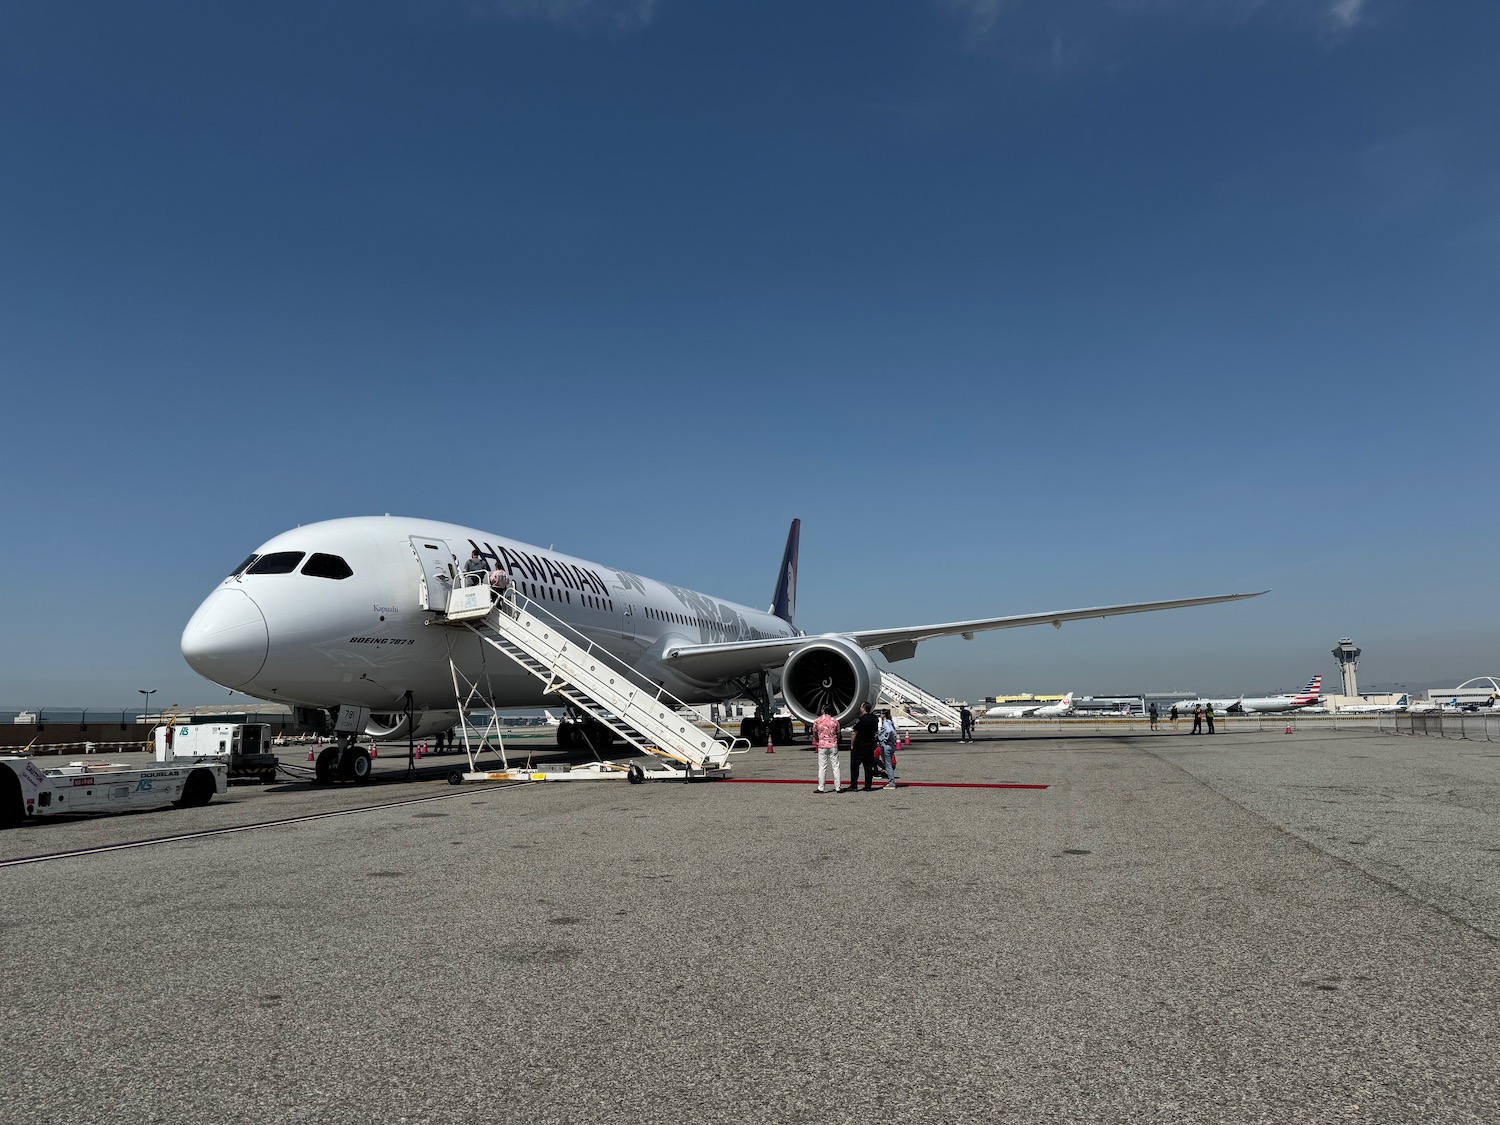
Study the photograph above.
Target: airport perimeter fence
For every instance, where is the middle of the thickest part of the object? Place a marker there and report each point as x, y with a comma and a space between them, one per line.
88, 730
1271, 722
1434, 724
85, 717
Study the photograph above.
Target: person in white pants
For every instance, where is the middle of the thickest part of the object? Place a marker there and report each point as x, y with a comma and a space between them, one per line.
887, 736
826, 743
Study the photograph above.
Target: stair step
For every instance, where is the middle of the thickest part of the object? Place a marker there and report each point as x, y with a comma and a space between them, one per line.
596, 685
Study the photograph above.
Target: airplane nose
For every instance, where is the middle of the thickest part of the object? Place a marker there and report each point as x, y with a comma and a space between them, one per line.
226, 640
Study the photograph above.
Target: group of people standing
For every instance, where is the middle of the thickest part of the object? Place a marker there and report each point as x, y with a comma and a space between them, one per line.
869, 736
1201, 714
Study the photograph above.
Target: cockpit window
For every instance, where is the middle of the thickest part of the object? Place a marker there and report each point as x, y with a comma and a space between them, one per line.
239, 570
277, 562
327, 566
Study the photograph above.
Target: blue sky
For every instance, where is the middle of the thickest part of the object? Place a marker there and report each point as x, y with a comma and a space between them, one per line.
1018, 305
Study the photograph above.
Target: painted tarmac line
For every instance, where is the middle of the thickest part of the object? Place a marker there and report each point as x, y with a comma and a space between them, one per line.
229, 830
902, 785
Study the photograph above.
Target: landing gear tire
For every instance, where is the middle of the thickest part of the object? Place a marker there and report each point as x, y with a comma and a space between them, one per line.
323, 767
356, 766
567, 736
198, 791
635, 775
753, 731
12, 804
781, 730
932, 728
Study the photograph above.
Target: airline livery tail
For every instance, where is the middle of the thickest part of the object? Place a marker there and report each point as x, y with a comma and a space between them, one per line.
1311, 694
784, 603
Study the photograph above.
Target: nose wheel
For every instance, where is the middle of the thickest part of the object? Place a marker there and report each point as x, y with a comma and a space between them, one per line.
327, 763
355, 766
342, 763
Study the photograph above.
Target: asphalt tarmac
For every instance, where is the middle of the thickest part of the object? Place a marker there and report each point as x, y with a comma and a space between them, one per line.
1252, 927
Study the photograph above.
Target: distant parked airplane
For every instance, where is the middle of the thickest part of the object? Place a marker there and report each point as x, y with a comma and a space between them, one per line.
1013, 710
1377, 708
1309, 696
1063, 706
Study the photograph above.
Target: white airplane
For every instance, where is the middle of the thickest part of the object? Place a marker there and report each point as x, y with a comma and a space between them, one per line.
1064, 706
1012, 710
1309, 696
335, 613
550, 719
1376, 708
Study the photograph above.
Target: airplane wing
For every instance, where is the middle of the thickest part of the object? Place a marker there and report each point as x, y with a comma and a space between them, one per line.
893, 643
716, 662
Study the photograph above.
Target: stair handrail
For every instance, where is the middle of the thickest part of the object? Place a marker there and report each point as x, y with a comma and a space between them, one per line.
513, 597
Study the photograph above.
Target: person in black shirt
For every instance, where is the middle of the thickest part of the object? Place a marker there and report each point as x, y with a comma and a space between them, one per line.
862, 749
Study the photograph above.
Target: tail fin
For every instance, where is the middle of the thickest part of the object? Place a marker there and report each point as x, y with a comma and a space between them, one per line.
784, 603
1313, 690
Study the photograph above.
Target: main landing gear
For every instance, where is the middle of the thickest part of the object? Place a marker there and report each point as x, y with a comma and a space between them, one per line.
583, 732
762, 727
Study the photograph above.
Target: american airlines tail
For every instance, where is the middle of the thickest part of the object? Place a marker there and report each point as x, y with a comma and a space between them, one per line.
1312, 692
784, 603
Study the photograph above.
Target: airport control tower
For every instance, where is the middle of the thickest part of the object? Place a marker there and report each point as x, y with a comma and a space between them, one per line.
1347, 654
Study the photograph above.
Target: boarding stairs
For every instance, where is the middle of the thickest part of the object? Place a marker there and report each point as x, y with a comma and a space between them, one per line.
904, 693
594, 682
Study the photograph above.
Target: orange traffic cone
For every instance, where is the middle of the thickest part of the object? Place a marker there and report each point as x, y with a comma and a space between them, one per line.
309, 755
373, 752
769, 748
1289, 728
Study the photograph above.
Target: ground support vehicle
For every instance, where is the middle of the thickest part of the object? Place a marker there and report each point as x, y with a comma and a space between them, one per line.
245, 748
27, 789
916, 718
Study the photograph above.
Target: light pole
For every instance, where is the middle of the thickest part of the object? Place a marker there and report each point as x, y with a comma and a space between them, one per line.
148, 693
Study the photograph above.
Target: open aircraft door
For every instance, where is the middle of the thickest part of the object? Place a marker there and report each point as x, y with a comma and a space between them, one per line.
439, 571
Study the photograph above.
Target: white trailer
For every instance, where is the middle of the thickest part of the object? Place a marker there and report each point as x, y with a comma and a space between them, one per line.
27, 789
913, 718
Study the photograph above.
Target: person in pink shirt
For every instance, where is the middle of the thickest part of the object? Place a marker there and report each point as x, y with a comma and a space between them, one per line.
826, 743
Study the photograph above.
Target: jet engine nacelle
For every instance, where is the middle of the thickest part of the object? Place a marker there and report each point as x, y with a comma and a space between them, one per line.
387, 725
830, 671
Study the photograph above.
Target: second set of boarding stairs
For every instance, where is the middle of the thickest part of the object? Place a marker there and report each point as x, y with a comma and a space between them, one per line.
597, 684
895, 690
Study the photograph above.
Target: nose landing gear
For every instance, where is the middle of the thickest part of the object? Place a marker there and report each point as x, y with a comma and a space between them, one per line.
342, 761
